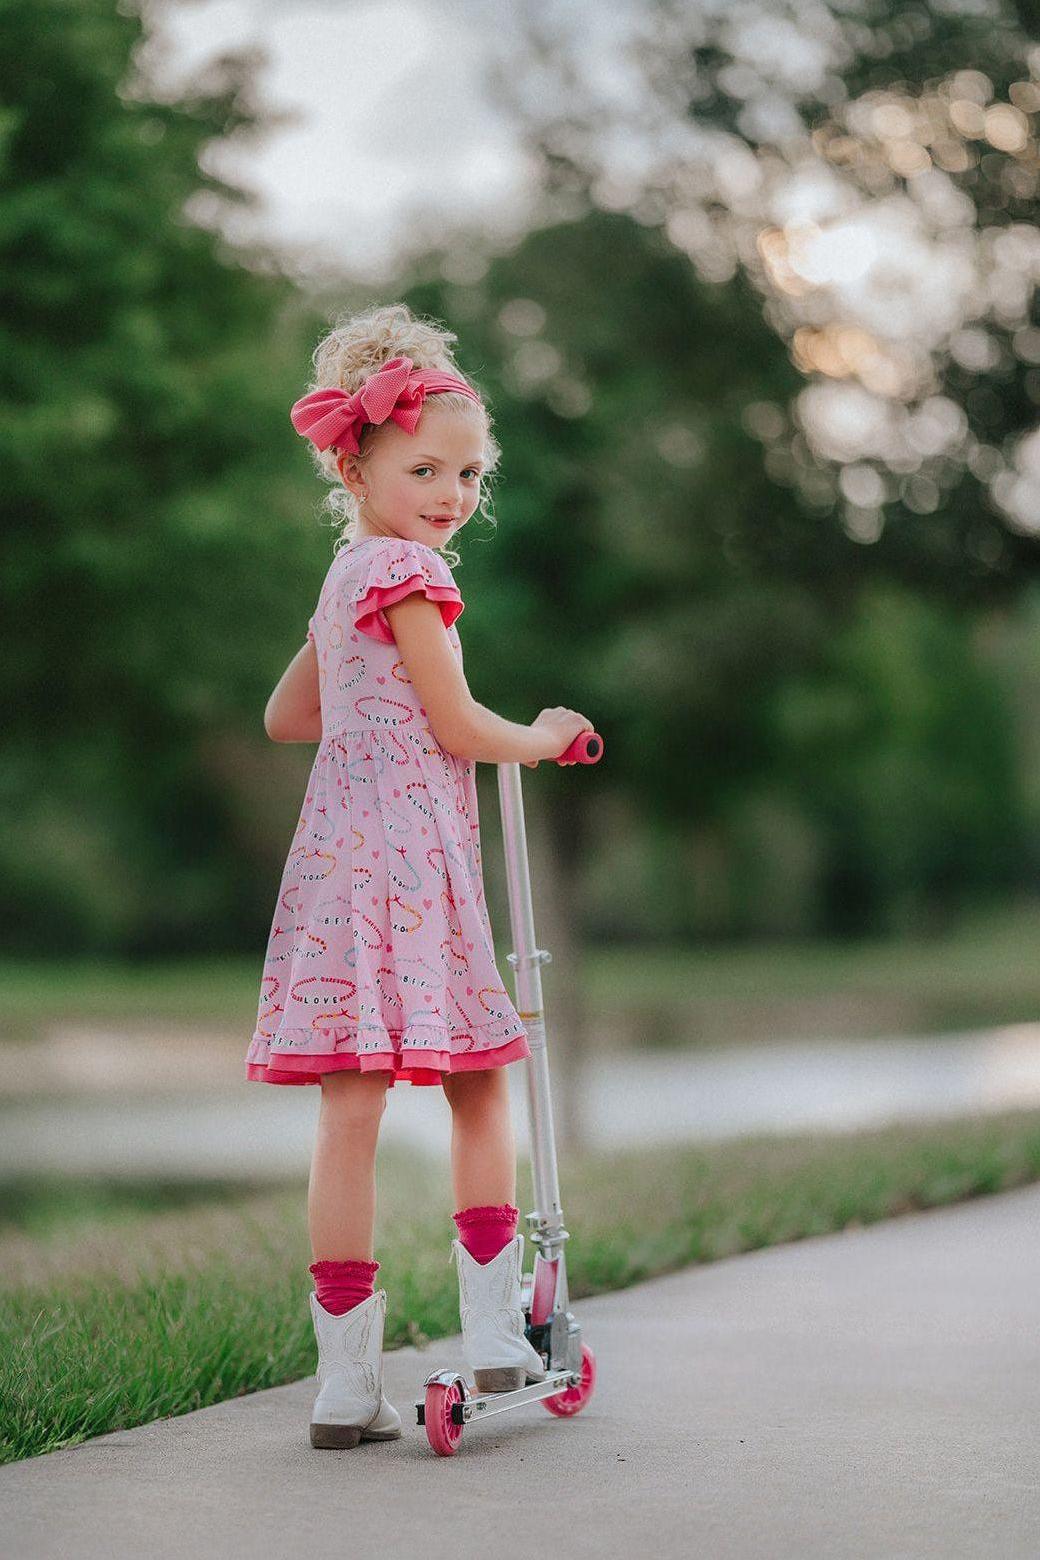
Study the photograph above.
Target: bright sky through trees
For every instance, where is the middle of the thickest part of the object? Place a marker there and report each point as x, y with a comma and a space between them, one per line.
736, 129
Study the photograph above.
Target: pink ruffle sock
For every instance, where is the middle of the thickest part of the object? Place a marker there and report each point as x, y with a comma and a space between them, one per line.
340, 1286
486, 1230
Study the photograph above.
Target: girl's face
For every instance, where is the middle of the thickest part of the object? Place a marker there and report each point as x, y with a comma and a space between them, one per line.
409, 480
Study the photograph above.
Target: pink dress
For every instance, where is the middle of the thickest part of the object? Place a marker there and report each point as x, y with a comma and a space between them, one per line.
380, 954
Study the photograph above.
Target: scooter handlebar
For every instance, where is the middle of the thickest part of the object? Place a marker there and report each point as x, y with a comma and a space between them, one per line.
587, 748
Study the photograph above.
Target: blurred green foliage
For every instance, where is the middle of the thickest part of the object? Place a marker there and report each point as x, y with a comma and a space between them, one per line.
802, 734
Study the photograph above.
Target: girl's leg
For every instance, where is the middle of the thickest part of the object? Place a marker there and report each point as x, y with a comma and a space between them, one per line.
483, 1161
483, 1146
341, 1195
341, 1202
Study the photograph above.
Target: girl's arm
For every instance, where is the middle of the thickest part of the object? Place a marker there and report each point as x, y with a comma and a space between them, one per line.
293, 712
460, 724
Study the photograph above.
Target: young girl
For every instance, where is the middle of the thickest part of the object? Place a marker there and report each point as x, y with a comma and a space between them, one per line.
380, 965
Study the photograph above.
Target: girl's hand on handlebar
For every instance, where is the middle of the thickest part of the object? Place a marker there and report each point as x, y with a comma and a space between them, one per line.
560, 726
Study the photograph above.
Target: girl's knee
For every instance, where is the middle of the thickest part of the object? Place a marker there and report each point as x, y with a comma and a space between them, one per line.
481, 1084
359, 1097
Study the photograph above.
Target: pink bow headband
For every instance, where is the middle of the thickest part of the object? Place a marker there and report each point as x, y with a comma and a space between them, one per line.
332, 418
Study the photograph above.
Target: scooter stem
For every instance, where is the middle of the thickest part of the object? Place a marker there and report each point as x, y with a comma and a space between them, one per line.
546, 1222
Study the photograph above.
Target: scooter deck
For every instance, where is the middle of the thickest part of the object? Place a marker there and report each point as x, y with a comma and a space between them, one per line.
496, 1402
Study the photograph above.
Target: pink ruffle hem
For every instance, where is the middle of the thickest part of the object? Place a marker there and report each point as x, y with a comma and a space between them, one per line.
406, 1066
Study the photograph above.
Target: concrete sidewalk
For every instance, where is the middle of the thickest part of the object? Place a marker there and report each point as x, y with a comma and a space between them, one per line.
873, 1394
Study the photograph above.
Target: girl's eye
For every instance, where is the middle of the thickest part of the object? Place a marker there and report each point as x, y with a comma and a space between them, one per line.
419, 469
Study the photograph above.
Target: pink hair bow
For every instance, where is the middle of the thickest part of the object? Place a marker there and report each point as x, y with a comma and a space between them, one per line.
330, 417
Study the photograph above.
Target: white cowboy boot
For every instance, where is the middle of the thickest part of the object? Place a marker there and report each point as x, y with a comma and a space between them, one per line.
350, 1406
494, 1340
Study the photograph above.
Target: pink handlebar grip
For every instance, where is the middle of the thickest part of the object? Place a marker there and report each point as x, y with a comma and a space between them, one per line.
587, 748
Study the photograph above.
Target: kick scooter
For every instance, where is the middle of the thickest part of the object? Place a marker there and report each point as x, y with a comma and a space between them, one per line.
450, 1403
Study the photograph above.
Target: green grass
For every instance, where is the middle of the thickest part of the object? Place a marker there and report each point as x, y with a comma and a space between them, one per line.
1002, 941
35, 993
984, 972
127, 1308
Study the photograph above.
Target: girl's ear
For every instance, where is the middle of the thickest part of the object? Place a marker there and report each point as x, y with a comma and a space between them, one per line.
347, 466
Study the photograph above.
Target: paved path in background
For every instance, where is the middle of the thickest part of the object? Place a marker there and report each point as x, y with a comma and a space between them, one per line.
873, 1394
116, 1108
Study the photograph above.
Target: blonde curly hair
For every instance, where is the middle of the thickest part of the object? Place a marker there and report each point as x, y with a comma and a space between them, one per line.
357, 345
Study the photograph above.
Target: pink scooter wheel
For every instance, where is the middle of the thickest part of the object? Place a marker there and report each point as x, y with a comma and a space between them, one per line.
442, 1432
573, 1399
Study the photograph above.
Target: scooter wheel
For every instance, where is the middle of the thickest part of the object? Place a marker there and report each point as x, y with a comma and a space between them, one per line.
442, 1432
573, 1399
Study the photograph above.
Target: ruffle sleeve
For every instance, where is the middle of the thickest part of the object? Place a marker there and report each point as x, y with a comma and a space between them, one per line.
396, 570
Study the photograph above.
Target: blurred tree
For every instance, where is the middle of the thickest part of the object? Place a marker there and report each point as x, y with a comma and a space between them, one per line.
725, 117
150, 507
901, 750
874, 171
